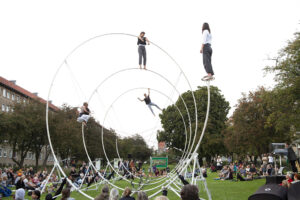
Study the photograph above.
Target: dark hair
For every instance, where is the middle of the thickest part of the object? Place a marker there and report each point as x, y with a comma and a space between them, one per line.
189, 192
37, 193
205, 26
142, 33
65, 193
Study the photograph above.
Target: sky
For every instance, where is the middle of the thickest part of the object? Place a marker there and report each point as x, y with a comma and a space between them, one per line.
37, 36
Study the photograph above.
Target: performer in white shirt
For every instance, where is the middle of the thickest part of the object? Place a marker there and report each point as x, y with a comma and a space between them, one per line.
206, 50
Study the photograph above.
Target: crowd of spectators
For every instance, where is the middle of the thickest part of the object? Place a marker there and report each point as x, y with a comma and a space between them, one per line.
33, 183
245, 171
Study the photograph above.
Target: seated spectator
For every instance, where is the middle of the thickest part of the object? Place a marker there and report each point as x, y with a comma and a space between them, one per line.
36, 195
263, 170
29, 185
126, 194
288, 178
229, 176
20, 182
252, 171
66, 194
142, 196
242, 171
104, 195
189, 192
296, 178
114, 194
20, 194
285, 184
224, 172
213, 168
10, 177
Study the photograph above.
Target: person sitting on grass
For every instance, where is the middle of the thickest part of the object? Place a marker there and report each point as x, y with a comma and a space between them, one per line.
263, 170
242, 171
288, 178
213, 168
253, 170
224, 172
126, 194
36, 195
285, 184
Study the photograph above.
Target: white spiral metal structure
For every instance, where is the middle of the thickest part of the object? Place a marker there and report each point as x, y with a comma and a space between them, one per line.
191, 144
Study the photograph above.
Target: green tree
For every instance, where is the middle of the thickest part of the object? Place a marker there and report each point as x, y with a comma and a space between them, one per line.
173, 132
285, 98
250, 132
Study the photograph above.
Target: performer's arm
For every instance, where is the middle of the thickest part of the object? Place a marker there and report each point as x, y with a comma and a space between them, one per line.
147, 41
140, 99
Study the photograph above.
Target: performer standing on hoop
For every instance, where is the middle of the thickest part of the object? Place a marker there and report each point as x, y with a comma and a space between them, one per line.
142, 41
148, 101
206, 50
84, 114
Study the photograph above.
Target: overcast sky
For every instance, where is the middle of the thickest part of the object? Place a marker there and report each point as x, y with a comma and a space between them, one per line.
36, 36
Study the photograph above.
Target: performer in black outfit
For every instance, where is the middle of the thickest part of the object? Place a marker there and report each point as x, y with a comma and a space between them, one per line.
148, 101
142, 41
292, 157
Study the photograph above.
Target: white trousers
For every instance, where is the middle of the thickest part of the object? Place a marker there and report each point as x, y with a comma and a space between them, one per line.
83, 118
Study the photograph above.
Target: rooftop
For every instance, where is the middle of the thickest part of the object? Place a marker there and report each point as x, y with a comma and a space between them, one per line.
13, 86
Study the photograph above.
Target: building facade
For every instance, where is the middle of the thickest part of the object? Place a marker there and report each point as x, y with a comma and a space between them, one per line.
11, 93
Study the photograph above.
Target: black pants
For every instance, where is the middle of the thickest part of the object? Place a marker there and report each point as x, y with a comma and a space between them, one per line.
142, 54
293, 163
207, 52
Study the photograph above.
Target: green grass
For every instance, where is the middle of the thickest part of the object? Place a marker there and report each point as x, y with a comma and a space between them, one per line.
220, 190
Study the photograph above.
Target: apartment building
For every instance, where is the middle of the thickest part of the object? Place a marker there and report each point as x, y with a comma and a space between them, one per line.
11, 93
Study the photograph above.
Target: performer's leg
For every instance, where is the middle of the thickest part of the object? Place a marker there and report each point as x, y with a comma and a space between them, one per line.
149, 106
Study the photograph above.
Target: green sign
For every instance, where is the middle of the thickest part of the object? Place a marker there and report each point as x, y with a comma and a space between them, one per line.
159, 161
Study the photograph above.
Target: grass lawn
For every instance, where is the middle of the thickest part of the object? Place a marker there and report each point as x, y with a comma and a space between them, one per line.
220, 190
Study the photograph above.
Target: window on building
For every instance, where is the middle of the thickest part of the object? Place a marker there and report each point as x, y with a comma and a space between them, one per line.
8, 95
24, 100
7, 108
4, 92
13, 97
0, 153
4, 154
10, 154
18, 99
3, 108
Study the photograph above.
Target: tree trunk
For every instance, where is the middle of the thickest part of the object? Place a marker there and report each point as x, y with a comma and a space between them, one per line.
37, 156
47, 153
